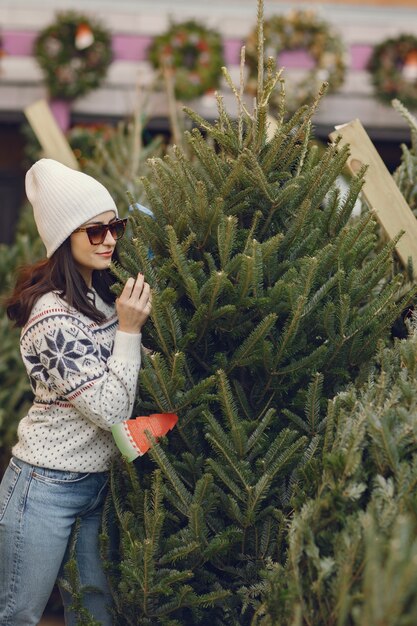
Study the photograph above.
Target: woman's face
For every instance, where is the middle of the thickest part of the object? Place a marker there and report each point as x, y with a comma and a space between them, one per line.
89, 257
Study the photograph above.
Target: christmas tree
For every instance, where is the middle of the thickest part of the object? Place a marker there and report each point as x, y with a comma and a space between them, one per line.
268, 299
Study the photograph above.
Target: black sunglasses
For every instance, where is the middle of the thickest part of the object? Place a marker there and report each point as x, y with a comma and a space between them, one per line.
97, 233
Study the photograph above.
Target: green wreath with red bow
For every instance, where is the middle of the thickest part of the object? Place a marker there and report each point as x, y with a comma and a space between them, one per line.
74, 54
393, 69
300, 30
193, 54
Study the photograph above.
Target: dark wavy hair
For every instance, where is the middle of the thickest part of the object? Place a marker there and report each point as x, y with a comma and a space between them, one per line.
60, 274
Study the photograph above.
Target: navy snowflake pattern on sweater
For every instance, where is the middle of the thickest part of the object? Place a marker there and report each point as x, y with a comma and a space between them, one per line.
84, 378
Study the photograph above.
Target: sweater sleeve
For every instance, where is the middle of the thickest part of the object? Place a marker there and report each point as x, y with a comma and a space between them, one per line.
64, 356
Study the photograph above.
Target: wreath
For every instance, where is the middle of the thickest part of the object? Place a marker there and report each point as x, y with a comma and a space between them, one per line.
393, 68
300, 30
194, 55
74, 53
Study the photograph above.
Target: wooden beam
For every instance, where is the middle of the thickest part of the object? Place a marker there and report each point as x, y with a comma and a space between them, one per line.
50, 136
380, 190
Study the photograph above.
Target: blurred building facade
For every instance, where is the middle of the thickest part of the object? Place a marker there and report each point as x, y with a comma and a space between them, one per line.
133, 24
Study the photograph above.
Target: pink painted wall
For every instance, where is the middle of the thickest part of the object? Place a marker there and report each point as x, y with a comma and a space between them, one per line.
134, 48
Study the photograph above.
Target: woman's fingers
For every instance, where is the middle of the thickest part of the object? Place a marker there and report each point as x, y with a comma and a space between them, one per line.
136, 295
144, 297
133, 288
127, 289
138, 287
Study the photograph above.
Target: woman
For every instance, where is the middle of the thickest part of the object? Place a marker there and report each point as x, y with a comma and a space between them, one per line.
81, 348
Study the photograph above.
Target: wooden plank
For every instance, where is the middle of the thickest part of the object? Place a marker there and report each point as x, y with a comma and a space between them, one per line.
50, 136
380, 191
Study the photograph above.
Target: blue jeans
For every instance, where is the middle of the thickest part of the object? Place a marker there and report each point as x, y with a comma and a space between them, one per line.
38, 509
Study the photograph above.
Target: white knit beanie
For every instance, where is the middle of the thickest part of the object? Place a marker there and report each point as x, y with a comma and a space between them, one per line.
63, 199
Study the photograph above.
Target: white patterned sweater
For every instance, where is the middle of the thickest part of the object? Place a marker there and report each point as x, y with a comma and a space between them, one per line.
83, 377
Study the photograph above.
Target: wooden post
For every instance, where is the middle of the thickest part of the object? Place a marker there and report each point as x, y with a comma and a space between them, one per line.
380, 191
50, 136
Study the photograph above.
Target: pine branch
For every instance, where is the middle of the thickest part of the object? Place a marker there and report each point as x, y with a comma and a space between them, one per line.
283, 441
160, 458
180, 263
218, 469
245, 353
226, 237
207, 158
255, 440
313, 404
293, 322
225, 447
260, 41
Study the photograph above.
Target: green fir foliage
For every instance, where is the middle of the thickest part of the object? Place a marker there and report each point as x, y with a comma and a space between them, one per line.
352, 556
15, 391
71, 584
157, 561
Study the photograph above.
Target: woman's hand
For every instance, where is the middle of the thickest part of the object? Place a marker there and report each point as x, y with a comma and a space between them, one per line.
134, 305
